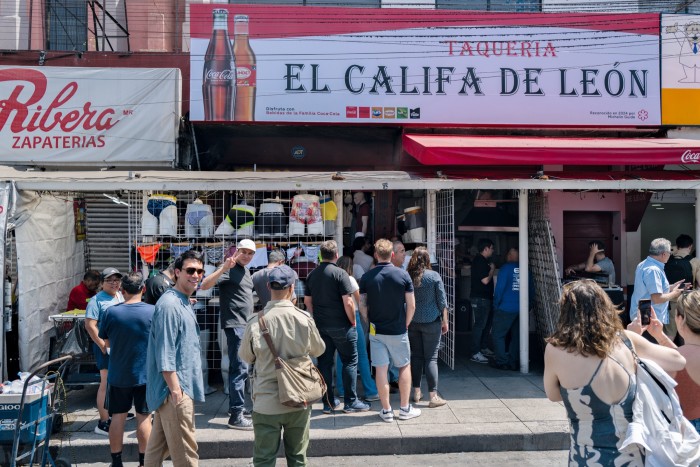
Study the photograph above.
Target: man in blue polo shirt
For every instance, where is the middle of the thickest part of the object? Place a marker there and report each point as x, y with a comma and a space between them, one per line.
650, 281
126, 328
387, 301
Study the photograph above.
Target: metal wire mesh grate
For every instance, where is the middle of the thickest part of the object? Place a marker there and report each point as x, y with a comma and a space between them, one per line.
544, 266
445, 253
163, 225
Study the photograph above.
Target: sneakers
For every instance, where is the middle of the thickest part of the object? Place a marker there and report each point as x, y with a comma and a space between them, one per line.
102, 428
372, 398
479, 358
412, 412
357, 406
487, 352
240, 423
246, 413
327, 408
387, 416
436, 401
130, 416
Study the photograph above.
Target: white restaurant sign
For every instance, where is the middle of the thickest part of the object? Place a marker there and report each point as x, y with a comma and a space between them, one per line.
89, 116
427, 67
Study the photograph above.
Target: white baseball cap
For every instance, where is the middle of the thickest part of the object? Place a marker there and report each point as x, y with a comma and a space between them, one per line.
246, 244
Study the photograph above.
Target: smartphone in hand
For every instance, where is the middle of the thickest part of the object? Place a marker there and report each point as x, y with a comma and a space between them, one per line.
645, 311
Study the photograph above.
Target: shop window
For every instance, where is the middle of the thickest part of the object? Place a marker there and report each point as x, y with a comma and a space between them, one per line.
490, 5
66, 25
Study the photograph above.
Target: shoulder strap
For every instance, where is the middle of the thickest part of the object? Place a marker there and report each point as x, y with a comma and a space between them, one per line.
626, 340
266, 334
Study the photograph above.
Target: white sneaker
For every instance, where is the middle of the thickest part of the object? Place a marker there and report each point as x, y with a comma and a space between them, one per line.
412, 412
479, 358
487, 352
386, 416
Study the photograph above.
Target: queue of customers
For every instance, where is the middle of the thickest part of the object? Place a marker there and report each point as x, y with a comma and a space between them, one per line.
147, 343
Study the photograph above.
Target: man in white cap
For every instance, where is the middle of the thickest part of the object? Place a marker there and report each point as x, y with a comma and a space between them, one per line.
236, 306
108, 296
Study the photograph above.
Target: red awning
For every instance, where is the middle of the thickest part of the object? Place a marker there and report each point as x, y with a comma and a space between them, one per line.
507, 150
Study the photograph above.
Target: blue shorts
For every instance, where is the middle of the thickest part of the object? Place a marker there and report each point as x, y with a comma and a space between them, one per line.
101, 360
157, 203
387, 349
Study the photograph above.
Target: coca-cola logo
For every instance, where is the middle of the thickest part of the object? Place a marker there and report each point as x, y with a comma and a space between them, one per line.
60, 113
243, 72
219, 75
690, 156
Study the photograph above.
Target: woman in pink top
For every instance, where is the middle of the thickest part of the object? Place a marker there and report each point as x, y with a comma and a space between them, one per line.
688, 323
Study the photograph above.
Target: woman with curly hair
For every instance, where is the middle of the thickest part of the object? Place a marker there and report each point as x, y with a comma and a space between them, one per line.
589, 366
428, 324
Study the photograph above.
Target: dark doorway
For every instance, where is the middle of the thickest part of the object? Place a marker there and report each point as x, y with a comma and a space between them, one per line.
581, 227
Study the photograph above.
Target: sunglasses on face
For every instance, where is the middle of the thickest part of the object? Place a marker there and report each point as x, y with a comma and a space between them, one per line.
113, 281
191, 271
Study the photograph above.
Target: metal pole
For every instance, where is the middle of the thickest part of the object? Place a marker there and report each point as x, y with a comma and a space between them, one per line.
338, 200
431, 215
524, 282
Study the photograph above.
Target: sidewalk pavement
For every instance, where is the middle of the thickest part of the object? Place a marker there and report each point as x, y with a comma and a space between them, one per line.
487, 410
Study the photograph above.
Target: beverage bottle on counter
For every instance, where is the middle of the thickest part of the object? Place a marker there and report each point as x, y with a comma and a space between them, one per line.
245, 70
219, 75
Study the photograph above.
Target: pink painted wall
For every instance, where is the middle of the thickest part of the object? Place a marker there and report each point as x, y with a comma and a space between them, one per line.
560, 201
154, 26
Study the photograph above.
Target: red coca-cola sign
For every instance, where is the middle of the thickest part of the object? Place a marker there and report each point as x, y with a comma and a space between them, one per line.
25, 118
690, 157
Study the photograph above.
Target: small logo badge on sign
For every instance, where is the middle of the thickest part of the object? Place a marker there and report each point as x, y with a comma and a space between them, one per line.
298, 152
415, 113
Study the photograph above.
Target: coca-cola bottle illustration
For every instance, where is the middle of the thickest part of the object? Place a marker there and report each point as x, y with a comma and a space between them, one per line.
219, 76
245, 70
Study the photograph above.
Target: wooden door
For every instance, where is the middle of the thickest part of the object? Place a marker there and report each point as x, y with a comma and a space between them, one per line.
581, 227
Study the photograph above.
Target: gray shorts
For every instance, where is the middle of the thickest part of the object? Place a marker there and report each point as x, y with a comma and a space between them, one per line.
387, 349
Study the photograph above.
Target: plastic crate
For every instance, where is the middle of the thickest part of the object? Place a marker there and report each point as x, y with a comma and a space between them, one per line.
35, 406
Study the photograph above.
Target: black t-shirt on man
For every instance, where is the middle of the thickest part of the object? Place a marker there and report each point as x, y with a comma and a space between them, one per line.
481, 269
327, 284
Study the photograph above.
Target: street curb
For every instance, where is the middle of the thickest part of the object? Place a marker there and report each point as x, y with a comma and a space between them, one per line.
96, 450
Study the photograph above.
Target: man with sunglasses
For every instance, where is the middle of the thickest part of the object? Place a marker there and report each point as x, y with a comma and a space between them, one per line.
236, 298
174, 368
108, 296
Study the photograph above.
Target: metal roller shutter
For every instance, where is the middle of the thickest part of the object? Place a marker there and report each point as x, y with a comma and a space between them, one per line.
107, 232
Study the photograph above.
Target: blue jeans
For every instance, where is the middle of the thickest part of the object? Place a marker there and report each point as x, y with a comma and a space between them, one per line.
237, 370
481, 309
344, 340
503, 324
368, 383
425, 345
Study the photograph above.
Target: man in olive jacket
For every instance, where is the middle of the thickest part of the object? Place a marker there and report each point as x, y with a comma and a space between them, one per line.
293, 334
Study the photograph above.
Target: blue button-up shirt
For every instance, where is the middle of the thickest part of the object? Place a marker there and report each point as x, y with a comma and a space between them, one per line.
173, 345
649, 278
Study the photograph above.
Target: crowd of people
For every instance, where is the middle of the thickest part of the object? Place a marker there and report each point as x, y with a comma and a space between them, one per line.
376, 320
380, 320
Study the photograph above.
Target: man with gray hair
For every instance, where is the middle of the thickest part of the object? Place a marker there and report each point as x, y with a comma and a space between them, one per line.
650, 281
260, 279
